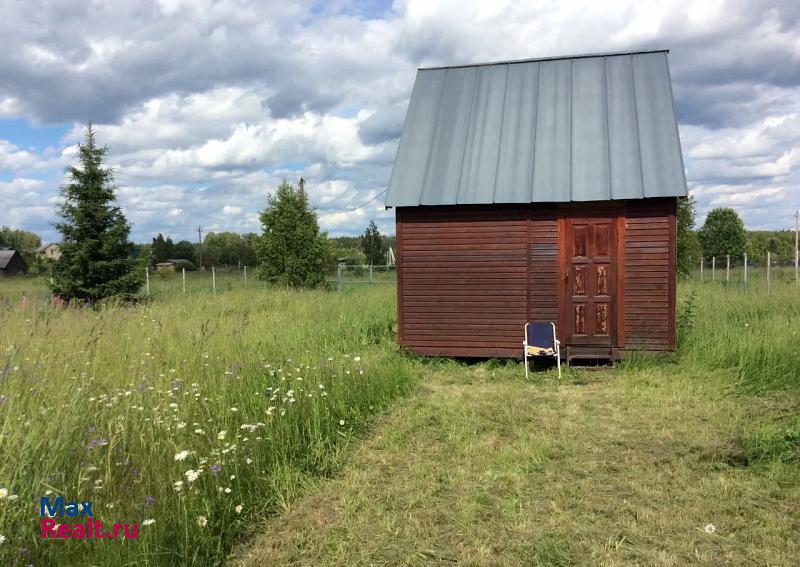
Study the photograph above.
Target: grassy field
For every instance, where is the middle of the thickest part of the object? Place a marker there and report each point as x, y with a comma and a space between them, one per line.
460, 464
180, 411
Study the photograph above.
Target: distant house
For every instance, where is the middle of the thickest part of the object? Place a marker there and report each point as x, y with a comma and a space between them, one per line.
11, 263
173, 265
51, 251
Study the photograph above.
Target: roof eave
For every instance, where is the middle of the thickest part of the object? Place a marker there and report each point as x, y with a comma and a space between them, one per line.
535, 59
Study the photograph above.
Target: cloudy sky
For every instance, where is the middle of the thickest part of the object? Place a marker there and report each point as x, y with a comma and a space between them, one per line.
206, 105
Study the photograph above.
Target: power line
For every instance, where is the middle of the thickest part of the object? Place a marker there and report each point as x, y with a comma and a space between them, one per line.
361, 205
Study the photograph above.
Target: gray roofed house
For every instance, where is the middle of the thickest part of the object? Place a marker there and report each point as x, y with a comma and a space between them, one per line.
580, 128
12, 263
545, 191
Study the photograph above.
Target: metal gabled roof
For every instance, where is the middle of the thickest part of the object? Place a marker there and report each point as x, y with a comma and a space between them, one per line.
582, 128
5, 257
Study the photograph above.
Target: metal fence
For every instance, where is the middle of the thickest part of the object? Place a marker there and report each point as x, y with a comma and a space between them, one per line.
347, 274
768, 271
221, 280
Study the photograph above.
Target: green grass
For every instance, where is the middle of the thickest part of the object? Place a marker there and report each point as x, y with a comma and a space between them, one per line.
476, 466
95, 404
610, 467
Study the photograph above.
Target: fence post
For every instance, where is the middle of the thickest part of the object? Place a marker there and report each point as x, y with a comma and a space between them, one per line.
245, 276
147, 280
713, 268
214, 279
339, 283
701, 268
727, 268
769, 269
370, 274
745, 269
183, 277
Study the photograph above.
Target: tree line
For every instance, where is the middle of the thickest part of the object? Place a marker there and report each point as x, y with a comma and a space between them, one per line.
234, 250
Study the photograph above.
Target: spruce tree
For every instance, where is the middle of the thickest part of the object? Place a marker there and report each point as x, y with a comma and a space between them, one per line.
96, 260
292, 250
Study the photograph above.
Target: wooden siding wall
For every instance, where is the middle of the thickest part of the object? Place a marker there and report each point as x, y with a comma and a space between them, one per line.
470, 276
462, 280
544, 281
649, 285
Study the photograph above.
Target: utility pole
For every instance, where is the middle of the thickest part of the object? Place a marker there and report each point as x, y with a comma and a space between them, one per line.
200, 245
302, 184
797, 247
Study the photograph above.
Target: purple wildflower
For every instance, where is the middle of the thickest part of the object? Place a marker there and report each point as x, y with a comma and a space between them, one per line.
215, 468
96, 443
149, 500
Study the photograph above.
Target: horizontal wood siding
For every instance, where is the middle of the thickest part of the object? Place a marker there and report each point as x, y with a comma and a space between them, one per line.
470, 276
649, 275
543, 276
463, 280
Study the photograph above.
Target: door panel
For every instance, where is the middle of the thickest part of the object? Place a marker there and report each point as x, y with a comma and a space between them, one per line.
591, 290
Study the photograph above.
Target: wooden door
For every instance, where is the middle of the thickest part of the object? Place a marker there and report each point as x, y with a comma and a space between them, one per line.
590, 271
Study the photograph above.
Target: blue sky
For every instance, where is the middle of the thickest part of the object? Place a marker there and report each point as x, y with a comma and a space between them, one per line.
207, 105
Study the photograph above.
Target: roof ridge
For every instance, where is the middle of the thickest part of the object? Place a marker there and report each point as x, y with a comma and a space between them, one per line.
536, 59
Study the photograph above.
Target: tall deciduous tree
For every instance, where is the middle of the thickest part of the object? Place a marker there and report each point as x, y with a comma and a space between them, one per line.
292, 250
689, 249
96, 257
372, 245
723, 234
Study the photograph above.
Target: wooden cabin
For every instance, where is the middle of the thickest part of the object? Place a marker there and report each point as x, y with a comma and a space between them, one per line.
539, 190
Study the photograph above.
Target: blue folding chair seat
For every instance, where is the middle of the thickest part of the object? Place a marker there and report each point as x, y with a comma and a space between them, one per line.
540, 340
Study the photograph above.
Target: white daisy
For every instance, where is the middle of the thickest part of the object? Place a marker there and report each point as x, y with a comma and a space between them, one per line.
192, 475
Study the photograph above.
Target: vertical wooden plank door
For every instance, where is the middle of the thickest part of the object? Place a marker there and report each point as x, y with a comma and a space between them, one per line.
591, 282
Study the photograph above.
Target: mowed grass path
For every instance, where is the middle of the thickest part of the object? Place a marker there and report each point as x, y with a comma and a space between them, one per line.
613, 467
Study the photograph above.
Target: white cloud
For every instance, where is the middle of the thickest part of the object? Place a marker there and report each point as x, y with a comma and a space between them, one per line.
207, 106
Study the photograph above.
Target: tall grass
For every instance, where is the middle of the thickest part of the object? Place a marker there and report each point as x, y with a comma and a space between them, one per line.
96, 404
753, 334
259, 388
752, 338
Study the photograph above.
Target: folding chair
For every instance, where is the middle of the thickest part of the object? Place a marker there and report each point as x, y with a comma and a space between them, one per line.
540, 340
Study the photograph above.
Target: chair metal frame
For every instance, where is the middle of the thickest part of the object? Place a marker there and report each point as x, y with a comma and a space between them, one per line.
557, 354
